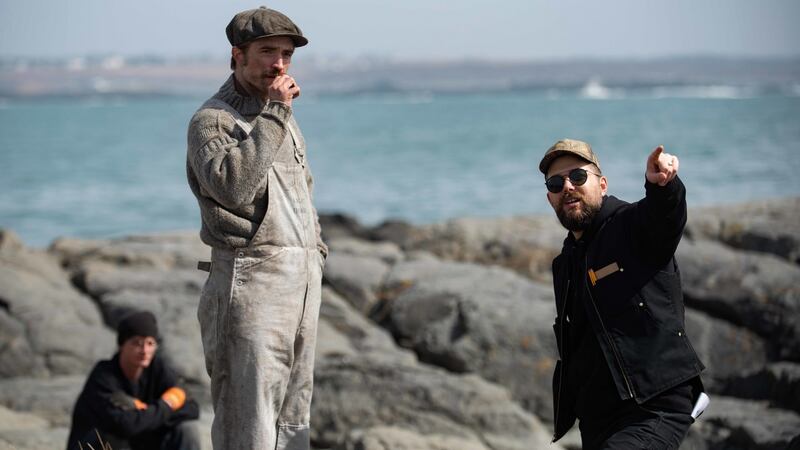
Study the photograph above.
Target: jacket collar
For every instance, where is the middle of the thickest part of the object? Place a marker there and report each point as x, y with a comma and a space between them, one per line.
609, 207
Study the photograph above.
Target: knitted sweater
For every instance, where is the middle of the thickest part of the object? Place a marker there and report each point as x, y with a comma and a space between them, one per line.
227, 167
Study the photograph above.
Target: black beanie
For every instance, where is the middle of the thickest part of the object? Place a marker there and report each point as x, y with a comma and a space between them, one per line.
142, 323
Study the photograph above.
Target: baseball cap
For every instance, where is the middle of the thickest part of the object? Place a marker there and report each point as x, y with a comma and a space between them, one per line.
564, 147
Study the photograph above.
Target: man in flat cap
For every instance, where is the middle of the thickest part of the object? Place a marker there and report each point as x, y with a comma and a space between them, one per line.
258, 312
627, 370
133, 400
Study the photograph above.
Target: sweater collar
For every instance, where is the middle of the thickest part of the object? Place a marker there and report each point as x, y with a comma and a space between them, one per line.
246, 105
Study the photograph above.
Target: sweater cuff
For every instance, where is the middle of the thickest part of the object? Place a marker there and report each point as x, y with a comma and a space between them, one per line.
280, 110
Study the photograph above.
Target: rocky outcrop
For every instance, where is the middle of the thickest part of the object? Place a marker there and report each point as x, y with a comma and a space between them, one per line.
731, 423
778, 383
362, 392
48, 326
431, 337
471, 318
767, 226
754, 290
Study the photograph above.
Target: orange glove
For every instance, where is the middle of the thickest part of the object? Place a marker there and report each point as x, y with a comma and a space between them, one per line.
140, 405
175, 397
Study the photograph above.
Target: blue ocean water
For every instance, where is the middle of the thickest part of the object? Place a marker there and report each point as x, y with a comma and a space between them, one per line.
110, 167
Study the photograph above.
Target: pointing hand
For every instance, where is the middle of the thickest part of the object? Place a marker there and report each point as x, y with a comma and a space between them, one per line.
661, 167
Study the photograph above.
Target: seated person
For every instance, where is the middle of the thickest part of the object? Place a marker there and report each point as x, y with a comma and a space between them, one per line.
132, 401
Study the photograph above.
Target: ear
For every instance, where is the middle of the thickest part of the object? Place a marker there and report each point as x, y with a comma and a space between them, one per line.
238, 55
604, 185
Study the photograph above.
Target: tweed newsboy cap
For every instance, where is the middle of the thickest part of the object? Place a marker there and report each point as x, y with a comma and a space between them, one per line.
262, 22
572, 147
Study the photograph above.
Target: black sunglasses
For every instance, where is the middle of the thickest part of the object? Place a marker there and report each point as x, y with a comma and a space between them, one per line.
577, 177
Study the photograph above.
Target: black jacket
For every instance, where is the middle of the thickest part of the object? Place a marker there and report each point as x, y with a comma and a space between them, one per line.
635, 305
102, 403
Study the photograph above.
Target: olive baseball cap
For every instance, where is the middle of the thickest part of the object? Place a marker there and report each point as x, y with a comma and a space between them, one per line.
571, 147
262, 22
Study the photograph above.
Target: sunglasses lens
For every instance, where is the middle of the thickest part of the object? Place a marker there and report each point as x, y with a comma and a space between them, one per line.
578, 177
555, 184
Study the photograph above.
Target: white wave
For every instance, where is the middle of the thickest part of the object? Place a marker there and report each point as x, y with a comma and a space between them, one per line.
594, 89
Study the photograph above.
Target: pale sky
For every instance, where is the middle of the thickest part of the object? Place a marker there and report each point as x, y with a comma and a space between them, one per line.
412, 29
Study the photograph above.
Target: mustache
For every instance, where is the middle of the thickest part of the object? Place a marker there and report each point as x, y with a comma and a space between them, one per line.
569, 197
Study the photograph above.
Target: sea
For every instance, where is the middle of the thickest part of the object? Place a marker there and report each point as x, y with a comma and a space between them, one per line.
106, 167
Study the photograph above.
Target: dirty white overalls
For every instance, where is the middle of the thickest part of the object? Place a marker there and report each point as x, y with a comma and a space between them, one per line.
258, 316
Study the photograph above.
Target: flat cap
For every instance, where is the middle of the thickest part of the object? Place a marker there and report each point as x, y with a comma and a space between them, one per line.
572, 147
262, 22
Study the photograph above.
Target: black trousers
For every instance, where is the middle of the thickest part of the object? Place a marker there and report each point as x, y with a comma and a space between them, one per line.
181, 437
635, 427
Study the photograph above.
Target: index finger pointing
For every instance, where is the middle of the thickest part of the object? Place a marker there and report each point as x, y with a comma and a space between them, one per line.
654, 156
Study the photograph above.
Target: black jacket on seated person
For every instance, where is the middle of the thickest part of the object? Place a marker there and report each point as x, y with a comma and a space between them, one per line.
106, 404
620, 313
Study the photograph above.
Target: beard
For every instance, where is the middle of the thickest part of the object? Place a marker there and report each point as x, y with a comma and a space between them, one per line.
577, 220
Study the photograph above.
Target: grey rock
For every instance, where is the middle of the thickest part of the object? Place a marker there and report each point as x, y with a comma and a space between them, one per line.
769, 226
340, 225
778, 382
343, 331
734, 424
164, 250
487, 320
48, 326
726, 350
362, 392
755, 290
51, 399
394, 438
387, 252
357, 278
526, 245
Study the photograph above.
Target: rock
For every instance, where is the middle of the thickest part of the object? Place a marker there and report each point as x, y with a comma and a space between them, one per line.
730, 423
340, 225
387, 252
767, 226
357, 278
778, 382
163, 251
51, 399
726, 350
394, 438
526, 245
343, 331
363, 392
39, 439
469, 318
396, 231
750, 289
48, 326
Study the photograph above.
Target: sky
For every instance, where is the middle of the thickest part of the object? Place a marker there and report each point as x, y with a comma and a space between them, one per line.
411, 29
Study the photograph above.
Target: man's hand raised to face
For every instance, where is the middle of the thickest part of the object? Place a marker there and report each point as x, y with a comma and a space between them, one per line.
283, 89
661, 167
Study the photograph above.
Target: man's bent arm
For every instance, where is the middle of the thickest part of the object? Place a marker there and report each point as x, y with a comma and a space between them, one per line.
661, 218
230, 170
